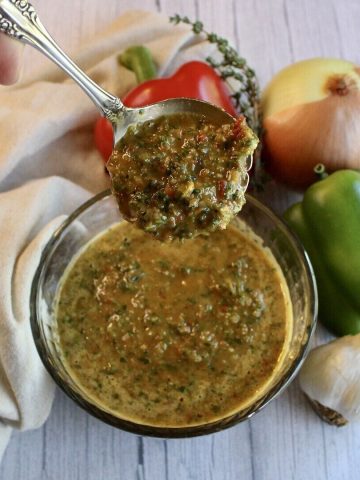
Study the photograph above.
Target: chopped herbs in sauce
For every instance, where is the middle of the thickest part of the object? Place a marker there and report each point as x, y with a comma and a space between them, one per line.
173, 334
179, 175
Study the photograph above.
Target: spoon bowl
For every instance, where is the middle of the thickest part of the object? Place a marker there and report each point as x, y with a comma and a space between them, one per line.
130, 116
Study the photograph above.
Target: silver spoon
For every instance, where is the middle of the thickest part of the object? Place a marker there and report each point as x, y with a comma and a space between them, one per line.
19, 20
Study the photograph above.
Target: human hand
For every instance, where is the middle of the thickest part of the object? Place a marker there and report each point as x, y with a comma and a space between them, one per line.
10, 60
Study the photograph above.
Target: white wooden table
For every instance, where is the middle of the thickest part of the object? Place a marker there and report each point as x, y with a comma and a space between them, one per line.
285, 441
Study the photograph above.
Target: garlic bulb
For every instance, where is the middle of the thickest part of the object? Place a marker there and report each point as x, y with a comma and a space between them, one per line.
310, 116
330, 377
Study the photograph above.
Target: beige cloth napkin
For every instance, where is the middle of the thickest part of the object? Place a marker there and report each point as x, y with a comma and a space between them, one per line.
48, 166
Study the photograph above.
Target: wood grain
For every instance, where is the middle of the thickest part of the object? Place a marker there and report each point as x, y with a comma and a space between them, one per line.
286, 440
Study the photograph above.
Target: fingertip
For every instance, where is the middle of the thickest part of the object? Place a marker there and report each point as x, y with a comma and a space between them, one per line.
10, 60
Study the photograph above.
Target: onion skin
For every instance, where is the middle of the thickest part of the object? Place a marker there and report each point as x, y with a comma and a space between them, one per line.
311, 115
327, 414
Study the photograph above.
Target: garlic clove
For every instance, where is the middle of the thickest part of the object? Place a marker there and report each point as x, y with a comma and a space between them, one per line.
330, 377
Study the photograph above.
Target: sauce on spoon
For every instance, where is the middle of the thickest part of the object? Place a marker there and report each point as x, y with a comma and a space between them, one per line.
180, 175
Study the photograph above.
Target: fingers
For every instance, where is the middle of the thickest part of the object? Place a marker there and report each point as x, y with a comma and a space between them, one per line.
10, 60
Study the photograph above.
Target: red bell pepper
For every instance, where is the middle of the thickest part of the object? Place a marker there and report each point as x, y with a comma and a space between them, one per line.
192, 80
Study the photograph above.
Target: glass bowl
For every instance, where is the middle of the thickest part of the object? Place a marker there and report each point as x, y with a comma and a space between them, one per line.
97, 215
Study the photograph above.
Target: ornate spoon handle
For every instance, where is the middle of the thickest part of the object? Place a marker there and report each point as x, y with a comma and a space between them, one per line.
19, 20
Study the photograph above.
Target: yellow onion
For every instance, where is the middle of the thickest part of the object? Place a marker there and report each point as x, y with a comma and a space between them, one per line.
311, 113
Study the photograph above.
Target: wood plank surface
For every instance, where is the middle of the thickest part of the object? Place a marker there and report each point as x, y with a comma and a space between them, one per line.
286, 440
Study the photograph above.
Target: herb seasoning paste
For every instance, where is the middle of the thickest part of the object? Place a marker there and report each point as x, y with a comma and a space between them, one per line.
179, 175
171, 334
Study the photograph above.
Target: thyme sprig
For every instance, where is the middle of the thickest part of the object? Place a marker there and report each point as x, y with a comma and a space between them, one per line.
244, 85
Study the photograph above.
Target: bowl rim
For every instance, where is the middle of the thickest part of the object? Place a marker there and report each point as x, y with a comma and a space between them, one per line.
173, 432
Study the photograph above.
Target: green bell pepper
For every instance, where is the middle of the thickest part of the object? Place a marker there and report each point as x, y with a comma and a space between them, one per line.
327, 222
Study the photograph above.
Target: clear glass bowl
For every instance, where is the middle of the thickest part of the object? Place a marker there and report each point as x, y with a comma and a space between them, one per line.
97, 215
